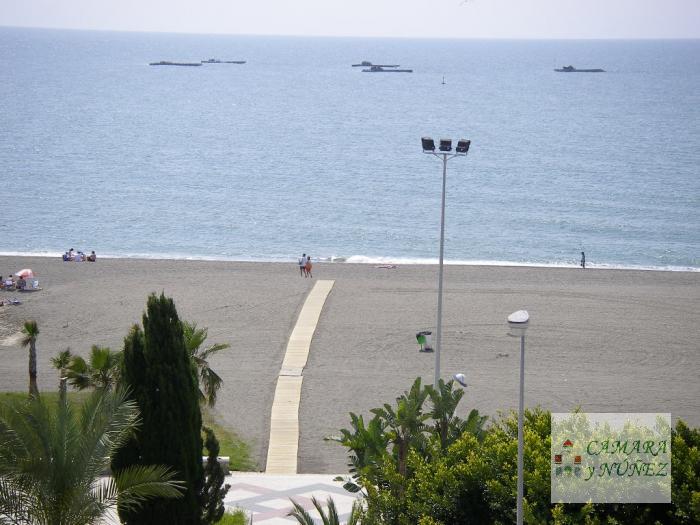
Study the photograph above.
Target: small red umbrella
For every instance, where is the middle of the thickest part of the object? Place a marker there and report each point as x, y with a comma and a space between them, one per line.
25, 273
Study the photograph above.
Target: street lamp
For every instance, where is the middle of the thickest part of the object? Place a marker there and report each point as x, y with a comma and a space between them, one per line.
460, 379
445, 153
518, 323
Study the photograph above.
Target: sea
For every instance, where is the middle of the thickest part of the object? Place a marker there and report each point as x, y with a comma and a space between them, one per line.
297, 151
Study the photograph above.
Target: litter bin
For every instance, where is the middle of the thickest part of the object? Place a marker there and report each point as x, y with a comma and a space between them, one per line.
424, 341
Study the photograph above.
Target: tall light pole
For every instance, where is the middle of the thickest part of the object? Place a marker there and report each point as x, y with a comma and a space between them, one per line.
445, 153
518, 323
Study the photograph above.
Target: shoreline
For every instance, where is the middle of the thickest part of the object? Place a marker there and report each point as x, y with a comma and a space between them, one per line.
608, 341
370, 260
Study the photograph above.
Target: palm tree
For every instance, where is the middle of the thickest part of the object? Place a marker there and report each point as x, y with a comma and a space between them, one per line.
474, 424
60, 363
444, 403
405, 424
100, 371
31, 332
52, 461
448, 427
366, 444
304, 518
209, 381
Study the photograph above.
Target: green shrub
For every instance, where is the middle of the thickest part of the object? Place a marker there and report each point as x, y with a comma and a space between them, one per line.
473, 479
236, 517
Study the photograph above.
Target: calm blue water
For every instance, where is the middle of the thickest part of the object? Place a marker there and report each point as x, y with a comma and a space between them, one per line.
297, 151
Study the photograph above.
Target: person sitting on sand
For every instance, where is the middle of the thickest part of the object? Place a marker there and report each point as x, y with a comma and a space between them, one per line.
71, 254
92, 257
21, 283
307, 268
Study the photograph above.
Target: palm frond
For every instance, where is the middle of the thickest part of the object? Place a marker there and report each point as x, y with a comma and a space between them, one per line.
300, 514
333, 518
15, 503
30, 329
62, 359
213, 349
136, 484
355, 513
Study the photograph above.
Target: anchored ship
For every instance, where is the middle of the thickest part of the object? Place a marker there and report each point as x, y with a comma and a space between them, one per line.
386, 69
166, 63
572, 69
365, 63
217, 61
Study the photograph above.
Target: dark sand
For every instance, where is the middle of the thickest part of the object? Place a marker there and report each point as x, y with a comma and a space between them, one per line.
605, 340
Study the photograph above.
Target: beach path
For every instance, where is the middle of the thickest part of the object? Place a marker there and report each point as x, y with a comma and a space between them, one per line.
284, 419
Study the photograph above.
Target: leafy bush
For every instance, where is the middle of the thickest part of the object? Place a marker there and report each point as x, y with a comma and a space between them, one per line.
413, 471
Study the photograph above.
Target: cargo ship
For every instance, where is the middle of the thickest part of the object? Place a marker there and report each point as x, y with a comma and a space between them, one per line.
572, 69
386, 69
166, 63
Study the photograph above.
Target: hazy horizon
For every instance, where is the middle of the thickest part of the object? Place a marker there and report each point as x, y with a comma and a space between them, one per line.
450, 19
282, 35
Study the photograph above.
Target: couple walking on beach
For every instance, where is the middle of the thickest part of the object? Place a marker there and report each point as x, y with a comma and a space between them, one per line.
305, 266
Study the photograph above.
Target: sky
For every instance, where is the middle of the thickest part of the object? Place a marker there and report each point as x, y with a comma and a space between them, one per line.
370, 18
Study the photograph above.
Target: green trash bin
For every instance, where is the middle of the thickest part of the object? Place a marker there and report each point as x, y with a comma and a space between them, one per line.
424, 340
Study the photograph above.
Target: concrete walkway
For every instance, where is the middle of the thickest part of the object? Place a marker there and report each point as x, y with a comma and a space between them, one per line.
267, 497
284, 418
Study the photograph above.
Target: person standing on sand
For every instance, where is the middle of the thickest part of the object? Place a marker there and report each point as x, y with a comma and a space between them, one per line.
302, 265
308, 266
583, 260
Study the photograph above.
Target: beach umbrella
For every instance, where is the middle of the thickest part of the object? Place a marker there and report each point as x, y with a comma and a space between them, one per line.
25, 273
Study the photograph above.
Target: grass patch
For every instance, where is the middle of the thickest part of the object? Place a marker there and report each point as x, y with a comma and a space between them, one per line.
230, 444
50, 398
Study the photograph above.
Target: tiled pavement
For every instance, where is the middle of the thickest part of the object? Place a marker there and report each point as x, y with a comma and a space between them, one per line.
267, 496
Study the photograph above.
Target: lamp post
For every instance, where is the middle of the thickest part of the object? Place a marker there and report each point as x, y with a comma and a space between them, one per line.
518, 323
444, 154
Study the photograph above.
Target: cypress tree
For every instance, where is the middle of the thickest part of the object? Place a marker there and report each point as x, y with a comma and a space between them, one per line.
158, 370
214, 490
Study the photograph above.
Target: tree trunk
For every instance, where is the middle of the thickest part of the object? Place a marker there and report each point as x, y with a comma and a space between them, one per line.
33, 388
62, 386
403, 453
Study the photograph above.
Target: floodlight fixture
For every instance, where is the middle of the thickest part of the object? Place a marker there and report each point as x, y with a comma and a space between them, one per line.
463, 146
460, 379
446, 145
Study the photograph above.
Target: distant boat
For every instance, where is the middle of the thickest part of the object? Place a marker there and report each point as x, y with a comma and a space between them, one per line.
443, 80
572, 69
166, 63
217, 61
365, 63
381, 69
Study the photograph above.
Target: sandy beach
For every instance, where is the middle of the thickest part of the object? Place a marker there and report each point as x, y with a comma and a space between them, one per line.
605, 340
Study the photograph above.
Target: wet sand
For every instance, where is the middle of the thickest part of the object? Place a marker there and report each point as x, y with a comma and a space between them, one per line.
605, 340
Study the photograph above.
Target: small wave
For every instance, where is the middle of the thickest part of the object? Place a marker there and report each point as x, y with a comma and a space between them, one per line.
31, 254
365, 259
